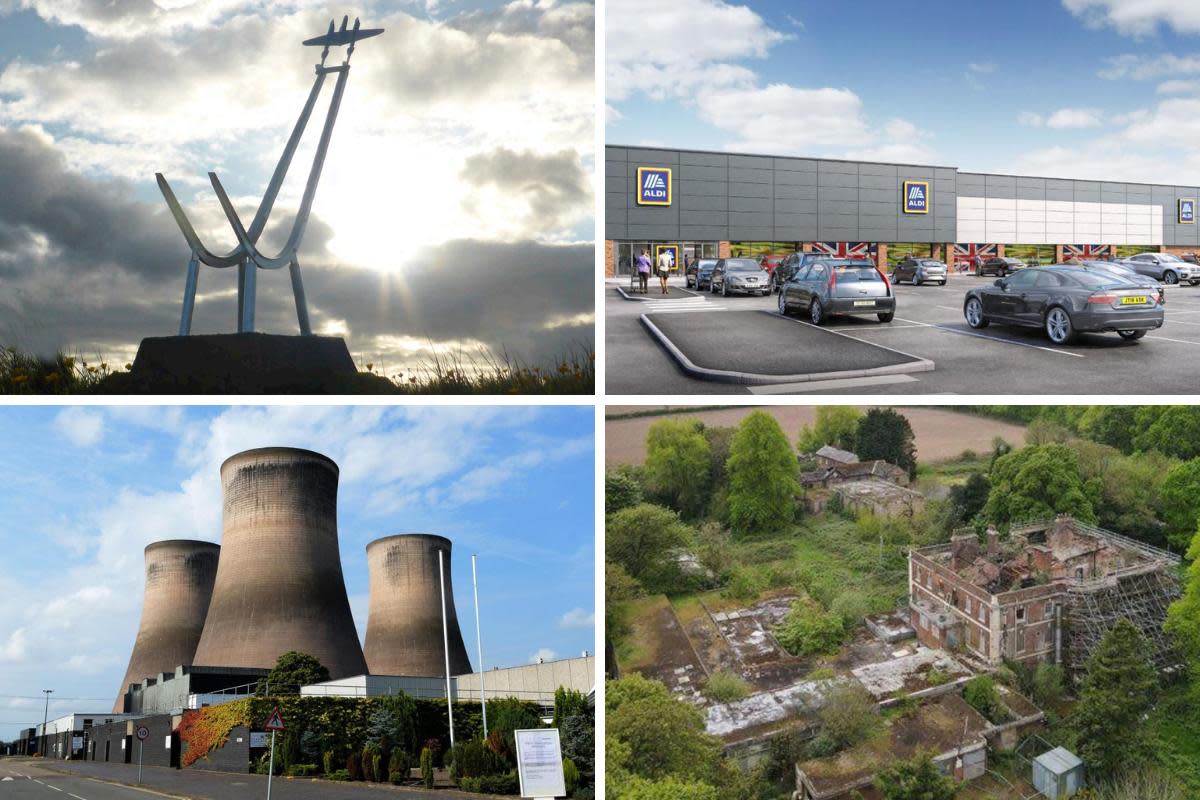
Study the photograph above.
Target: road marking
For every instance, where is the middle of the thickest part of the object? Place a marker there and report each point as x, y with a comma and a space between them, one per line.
1183, 322
949, 308
890, 326
1165, 339
993, 338
55, 788
77, 797
843, 383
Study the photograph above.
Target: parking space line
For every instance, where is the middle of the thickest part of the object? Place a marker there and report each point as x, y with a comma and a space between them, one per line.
884, 327
1183, 322
993, 338
77, 797
949, 308
1165, 339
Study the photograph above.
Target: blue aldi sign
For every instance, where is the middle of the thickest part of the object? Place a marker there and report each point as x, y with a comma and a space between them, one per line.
1187, 211
916, 197
654, 186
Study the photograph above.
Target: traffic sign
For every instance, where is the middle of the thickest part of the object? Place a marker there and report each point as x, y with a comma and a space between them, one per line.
143, 733
275, 721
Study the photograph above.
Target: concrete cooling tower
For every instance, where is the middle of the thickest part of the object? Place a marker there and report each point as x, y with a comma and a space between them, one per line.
279, 586
179, 583
404, 623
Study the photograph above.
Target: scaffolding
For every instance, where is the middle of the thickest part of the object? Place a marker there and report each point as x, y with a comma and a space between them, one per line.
1142, 596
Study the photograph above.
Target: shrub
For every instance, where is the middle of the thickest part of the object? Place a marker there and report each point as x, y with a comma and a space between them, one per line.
821, 674
379, 767
937, 677
848, 715
743, 584
368, 764
354, 766
399, 766
507, 714
427, 767
1047, 684
725, 687
300, 770
506, 783
852, 606
579, 744
980, 693
474, 759
327, 761
338, 775
809, 630
570, 775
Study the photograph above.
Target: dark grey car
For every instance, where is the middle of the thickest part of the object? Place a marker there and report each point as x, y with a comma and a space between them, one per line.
703, 274
1064, 300
744, 275
920, 270
1000, 266
838, 286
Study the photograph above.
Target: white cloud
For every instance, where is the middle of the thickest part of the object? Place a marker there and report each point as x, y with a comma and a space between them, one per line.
1067, 118
1140, 67
985, 68
578, 618
1177, 87
1030, 119
81, 426
1138, 17
13, 648
542, 654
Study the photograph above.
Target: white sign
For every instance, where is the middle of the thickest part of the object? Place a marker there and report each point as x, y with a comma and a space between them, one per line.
122, 744
539, 763
258, 739
76, 742
167, 743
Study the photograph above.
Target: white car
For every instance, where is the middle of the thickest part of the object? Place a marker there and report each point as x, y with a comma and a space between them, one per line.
1164, 267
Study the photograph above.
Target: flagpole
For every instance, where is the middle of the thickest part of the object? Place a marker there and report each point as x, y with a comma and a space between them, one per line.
446, 643
479, 645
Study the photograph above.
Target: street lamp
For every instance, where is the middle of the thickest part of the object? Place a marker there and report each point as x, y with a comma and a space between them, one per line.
45, 715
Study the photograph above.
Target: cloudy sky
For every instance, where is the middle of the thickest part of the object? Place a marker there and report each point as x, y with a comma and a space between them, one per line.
454, 210
1074, 88
84, 490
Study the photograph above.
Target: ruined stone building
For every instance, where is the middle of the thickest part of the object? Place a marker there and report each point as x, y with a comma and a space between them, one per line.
1047, 592
877, 486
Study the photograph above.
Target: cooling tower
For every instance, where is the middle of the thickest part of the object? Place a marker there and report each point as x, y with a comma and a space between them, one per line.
404, 623
279, 586
179, 583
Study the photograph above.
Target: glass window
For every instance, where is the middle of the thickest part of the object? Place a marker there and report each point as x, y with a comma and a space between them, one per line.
818, 272
1022, 280
1048, 280
856, 272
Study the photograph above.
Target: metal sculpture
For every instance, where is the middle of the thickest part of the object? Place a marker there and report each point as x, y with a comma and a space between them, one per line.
246, 256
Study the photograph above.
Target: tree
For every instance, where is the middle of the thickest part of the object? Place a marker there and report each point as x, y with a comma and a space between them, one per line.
916, 779
719, 439
969, 498
1176, 432
1035, 483
1117, 689
291, 671
643, 539
848, 715
619, 589
885, 434
980, 693
762, 475
809, 629
1183, 618
1110, 425
1181, 502
664, 735
834, 425
677, 464
621, 490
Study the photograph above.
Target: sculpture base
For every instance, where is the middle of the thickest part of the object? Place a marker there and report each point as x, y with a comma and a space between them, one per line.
244, 363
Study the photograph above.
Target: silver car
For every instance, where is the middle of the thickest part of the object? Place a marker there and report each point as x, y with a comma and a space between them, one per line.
1164, 267
838, 286
739, 275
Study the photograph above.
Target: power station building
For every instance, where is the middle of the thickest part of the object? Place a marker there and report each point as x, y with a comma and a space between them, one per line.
716, 204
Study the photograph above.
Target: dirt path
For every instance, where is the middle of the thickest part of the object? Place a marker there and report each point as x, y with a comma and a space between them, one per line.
941, 434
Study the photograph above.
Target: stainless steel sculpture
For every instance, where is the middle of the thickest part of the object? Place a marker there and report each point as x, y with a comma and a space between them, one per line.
246, 255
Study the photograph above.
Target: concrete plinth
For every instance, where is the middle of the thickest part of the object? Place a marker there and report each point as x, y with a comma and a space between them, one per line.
242, 363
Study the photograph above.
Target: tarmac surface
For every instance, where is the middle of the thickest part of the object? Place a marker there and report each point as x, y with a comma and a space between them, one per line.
89, 780
929, 324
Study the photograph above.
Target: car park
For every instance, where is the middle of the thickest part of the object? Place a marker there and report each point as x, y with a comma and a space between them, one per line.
1000, 266
829, 287
920, 270
739, 275
1064, 301
700, 273
1169, 269
793, 264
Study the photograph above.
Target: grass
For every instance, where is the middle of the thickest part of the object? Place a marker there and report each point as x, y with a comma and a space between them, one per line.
571, 373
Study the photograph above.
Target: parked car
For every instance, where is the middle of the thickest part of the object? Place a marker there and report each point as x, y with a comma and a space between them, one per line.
838, 286
699, 273
919, 270
1164, 267
1119, 271
769, 263
732, 275
791, 265
999, 266
1063, 300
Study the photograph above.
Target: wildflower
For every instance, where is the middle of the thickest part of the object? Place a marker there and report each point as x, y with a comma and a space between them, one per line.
69, 362
103, 365
20, 378
52, 377
128, 367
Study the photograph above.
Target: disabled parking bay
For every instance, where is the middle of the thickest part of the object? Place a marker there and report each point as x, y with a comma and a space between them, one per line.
761, 347
654, 292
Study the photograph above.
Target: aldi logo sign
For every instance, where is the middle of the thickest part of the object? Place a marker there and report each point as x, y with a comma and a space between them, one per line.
916, 197
654, 186
1187, 211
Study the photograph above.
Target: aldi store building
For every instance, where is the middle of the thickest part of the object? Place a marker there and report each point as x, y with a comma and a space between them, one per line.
710, 205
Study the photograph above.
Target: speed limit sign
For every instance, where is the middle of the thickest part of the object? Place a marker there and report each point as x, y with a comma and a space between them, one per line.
143, 733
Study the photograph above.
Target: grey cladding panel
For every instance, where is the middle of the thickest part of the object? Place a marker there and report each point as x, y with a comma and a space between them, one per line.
945, 174
795, 165
616, 153
704, 159
750, 189
889, 195
795, 179
837, 168
614, 169
702, 202
879, 182
837, 194
702, 188
650, 158
693, 233
750, 162
1030, 193
787, 205
691, 172
758, 205
837, 180
642, 215
878, 170
795, 192
744, 175
838, 207
705, 218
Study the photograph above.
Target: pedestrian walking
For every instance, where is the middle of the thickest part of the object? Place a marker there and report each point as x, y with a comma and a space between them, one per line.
643, 270
666, 260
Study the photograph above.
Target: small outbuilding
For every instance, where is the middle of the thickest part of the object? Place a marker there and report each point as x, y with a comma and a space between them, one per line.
1058, 773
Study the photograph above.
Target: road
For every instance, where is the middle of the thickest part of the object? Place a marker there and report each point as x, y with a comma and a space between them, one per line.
928, 324
85, 780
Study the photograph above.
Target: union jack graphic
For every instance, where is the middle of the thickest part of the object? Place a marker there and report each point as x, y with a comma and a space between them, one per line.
968, 256
845, 249
1086, 251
